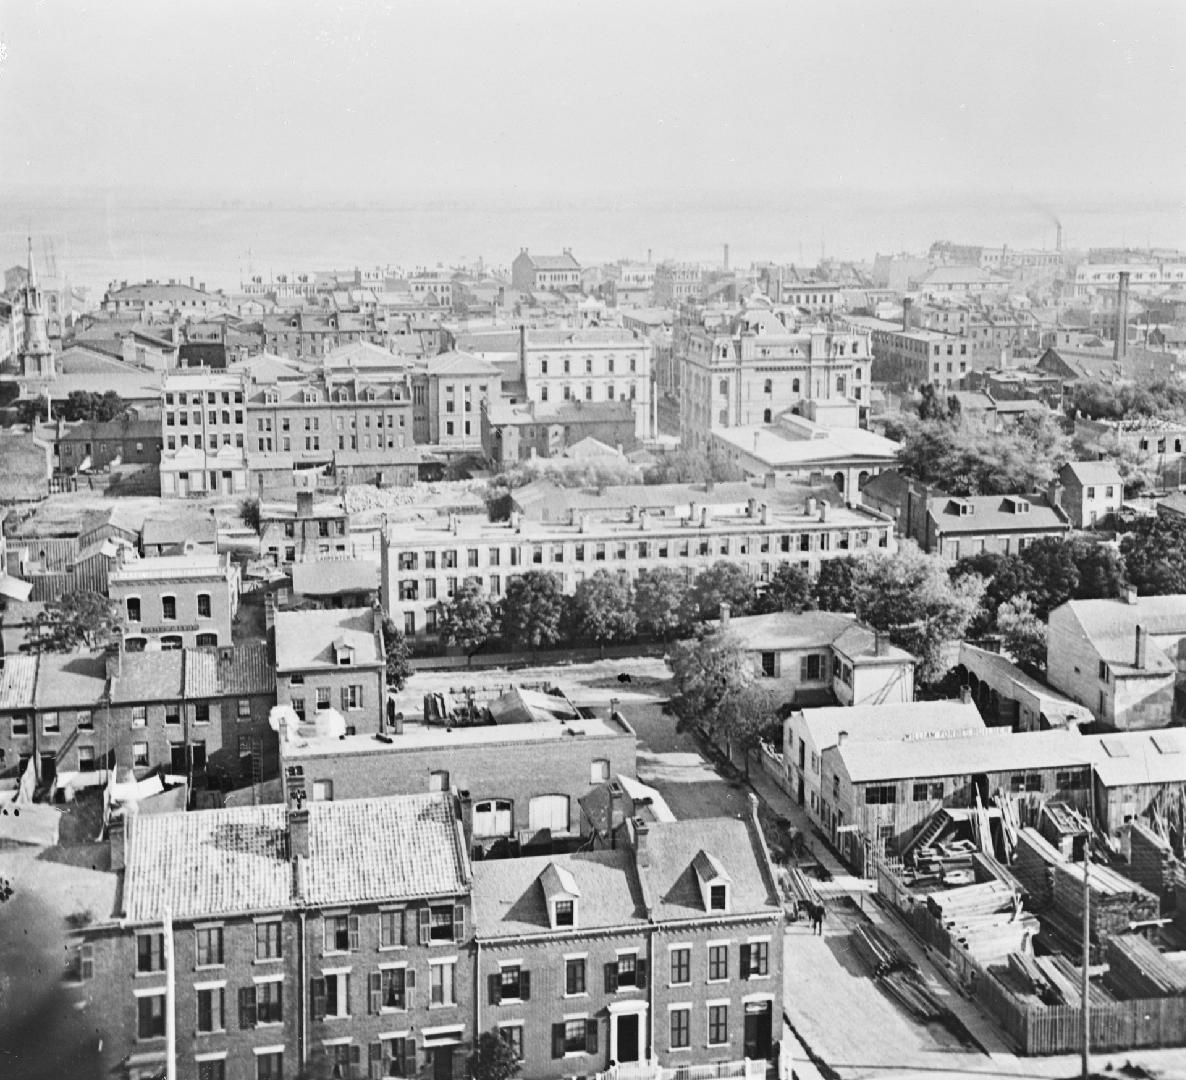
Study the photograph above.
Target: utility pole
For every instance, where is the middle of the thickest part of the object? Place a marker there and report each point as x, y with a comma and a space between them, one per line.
1086, 985
170, 1002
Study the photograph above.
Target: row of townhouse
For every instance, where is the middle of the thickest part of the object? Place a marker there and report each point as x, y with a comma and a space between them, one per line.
74, 713
424, 562
276, 954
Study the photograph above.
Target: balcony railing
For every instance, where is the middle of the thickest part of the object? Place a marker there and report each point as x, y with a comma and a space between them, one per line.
741, 1069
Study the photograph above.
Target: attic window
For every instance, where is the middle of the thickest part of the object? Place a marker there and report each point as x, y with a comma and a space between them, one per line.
718, 898
564, 913
966, 509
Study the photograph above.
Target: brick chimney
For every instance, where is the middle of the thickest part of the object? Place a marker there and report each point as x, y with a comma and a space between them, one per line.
966, 695
642, 854
304, 504
465, 810
1142, 648
298, 830
117, 840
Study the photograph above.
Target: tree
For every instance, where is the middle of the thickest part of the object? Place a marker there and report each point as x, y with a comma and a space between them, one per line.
603, 609
660, 597
493, 1058
722, 583
78, 405
910, 595
1004, 577
718, 691
397, 654
1023, 633
1155, 556
1101, 569
834, 585
1137, 467
469, 619
692, 467
533, 611
74, 620
249, 513
789, 589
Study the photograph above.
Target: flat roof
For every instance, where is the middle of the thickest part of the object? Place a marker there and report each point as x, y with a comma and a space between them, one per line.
434, 737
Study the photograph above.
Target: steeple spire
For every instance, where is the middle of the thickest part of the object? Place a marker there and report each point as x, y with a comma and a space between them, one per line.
32, 268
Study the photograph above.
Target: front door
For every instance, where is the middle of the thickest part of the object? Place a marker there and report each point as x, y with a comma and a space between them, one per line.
627, 1037
177, 759
442, 1063
49, 767
757, 1030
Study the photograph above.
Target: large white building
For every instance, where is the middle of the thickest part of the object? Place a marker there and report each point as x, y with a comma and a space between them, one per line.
203, 427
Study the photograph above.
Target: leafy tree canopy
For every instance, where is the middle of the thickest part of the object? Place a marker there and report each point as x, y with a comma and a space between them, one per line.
493, 1058
78, 405
470, 618
660, 601
722, 583
1023, 633
834, 585
692, 467
1103, 401
1155, 556
789, 589
533, 611
398, 655
75, 621
603, 609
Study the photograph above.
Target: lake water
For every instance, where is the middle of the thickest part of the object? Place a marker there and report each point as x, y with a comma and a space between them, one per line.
99, 238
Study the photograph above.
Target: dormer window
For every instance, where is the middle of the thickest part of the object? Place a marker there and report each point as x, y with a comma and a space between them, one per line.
561, 894
718, 898
565, 913
343, 653
715, 883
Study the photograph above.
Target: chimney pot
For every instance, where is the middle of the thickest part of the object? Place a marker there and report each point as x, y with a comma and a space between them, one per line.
1142, 647
642, 855
841, 736
298, 831
117, 839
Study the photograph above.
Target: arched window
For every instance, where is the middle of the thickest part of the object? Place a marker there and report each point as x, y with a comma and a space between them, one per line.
768, 386
171, 641
766, 416
863, 478
794, 386
840, 384
725, 386
207, 641
492, 817
549, 812
838, 480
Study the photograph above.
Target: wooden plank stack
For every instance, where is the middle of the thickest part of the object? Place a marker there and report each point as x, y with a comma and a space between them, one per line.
1151, 861
1036, 857
1138, 969
877, 950
1062, 825
1116, 902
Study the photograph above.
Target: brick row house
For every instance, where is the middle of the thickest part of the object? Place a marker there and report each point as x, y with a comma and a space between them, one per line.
284, 956
75, 714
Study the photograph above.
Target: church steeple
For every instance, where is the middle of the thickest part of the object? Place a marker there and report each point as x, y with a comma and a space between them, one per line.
36, 357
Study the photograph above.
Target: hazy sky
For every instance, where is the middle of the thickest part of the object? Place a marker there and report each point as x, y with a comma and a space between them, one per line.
1040, 99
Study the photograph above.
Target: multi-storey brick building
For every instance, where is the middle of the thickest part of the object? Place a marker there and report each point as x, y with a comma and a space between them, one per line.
423, 562
741, 377
512, 433
330, 937
522, 781
204, 427
666, 951
332, 660
153, 300
590, 365
677, 281
532, 273
910, 358
447, 395
174, 601
307, 532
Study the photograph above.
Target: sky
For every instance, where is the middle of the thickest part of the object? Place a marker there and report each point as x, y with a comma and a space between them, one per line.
1040, 100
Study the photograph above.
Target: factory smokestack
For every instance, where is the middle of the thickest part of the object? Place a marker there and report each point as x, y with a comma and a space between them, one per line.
726, 258
1120, 350
1058, 237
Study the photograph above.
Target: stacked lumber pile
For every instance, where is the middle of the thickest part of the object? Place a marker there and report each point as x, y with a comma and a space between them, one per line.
1116, 902
1036, 857
1138, 969
1054, 980
877, 950
1151, 861
798, 888
986, 921
1180, 897
947, 862
896, 974
1062, 825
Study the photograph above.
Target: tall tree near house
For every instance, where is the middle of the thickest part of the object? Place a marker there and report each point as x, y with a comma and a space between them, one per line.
249, 513
660, 597
718, 691
722, 583
533, 611
1155, 557
834, 585
1005, 576
74, 621
910, 595
1023, 633
397, 654
469, 619
493, 1058
603, 609
789, 589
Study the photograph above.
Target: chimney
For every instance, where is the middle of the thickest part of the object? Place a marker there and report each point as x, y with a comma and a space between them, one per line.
523, 347
726, 610
1142, 650
1120, 349
649, 253
298, 830
823, 510
907, 304
614, 705
880, 644
611, 812
643, 518
769, 480
516, 520
1058, 236
642, 855
705, 516
191, 281
764, 513
117, 840
840, 737
1054, 493
1130, 594
465, 810
453, 519
751, 507
709, 484
304, 504
584, 520
966, 695
726, 258
812, 506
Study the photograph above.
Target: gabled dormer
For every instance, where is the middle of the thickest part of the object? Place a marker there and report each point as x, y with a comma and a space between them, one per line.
561, 896
343, 653
716, 887
1015, 505
961, 507
271, 397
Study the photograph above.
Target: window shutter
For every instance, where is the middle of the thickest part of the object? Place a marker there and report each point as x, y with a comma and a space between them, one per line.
317, 994
361, 691
745, 953
352, 925
591, 1036
524, 985
376, 991
247, 1012
494, 984
375, 1060
344, 982
557, 1040
408, 1056
460, 1060
803, 669
345, 694
355, 1054
409, 990
86, 961
459, 922
611, 977
425, 926
640, 974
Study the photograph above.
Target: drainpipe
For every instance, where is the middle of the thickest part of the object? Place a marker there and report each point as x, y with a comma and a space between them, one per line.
302, 980
650, 1033
477, 990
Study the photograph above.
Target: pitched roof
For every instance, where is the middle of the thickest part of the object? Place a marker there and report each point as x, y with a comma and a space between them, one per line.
903, 722
563, 261
509, 897
1140, 757
995, 513
1093, 472
70, 679
18, 679
234, 672
149, 676
177, 528
805, 630
306, 638
670, 875
462, 363
1110, 626
218, 862
331, 577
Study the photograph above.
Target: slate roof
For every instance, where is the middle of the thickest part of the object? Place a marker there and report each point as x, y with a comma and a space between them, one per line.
149, 676
177, 528
69, 680
236, 672
992, 513
564, 261
334, 576
509, 893
18, 679
1110, 626
461, 363
1093, 472
219, 862
670, 876
906, 721
305, 638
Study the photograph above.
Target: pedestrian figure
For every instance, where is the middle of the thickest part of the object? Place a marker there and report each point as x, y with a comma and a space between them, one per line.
816, 911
